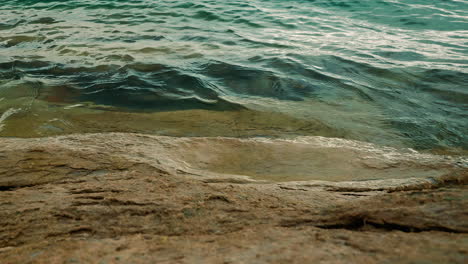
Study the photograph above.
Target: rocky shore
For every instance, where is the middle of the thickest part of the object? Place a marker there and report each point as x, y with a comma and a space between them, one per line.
133, 198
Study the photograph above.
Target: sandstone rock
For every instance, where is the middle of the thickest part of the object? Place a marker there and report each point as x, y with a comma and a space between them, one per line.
129, 198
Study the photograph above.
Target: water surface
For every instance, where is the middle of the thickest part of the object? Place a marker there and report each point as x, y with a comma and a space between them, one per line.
391, 72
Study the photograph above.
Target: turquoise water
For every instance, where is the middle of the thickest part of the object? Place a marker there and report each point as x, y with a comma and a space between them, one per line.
392, 72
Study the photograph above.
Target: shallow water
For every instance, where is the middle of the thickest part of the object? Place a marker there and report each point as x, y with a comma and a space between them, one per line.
391, 72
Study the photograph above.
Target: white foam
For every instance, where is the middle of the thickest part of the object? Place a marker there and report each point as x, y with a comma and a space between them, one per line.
7, 114
73, 106
367, 150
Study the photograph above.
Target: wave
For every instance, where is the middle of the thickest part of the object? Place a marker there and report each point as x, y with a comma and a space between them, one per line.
391, 68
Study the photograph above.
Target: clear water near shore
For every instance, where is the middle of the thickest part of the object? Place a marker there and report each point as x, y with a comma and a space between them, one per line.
391, 72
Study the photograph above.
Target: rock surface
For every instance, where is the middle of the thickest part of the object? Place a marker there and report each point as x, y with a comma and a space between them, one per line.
130, 198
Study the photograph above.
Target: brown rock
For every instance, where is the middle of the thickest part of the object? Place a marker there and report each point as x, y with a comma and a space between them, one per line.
126, 198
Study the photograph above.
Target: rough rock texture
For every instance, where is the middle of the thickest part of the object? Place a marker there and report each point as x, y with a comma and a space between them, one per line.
125, 198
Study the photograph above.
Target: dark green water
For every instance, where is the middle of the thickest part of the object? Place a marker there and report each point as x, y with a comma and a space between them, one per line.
392, 72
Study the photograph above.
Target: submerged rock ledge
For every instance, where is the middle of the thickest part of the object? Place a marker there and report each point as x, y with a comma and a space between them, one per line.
133, 198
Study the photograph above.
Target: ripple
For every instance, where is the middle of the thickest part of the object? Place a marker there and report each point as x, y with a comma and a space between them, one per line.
386, 71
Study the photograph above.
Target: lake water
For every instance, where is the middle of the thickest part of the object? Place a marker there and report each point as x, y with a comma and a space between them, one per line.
390, 72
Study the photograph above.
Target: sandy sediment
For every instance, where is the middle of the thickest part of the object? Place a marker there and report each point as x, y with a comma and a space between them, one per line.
132, 198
